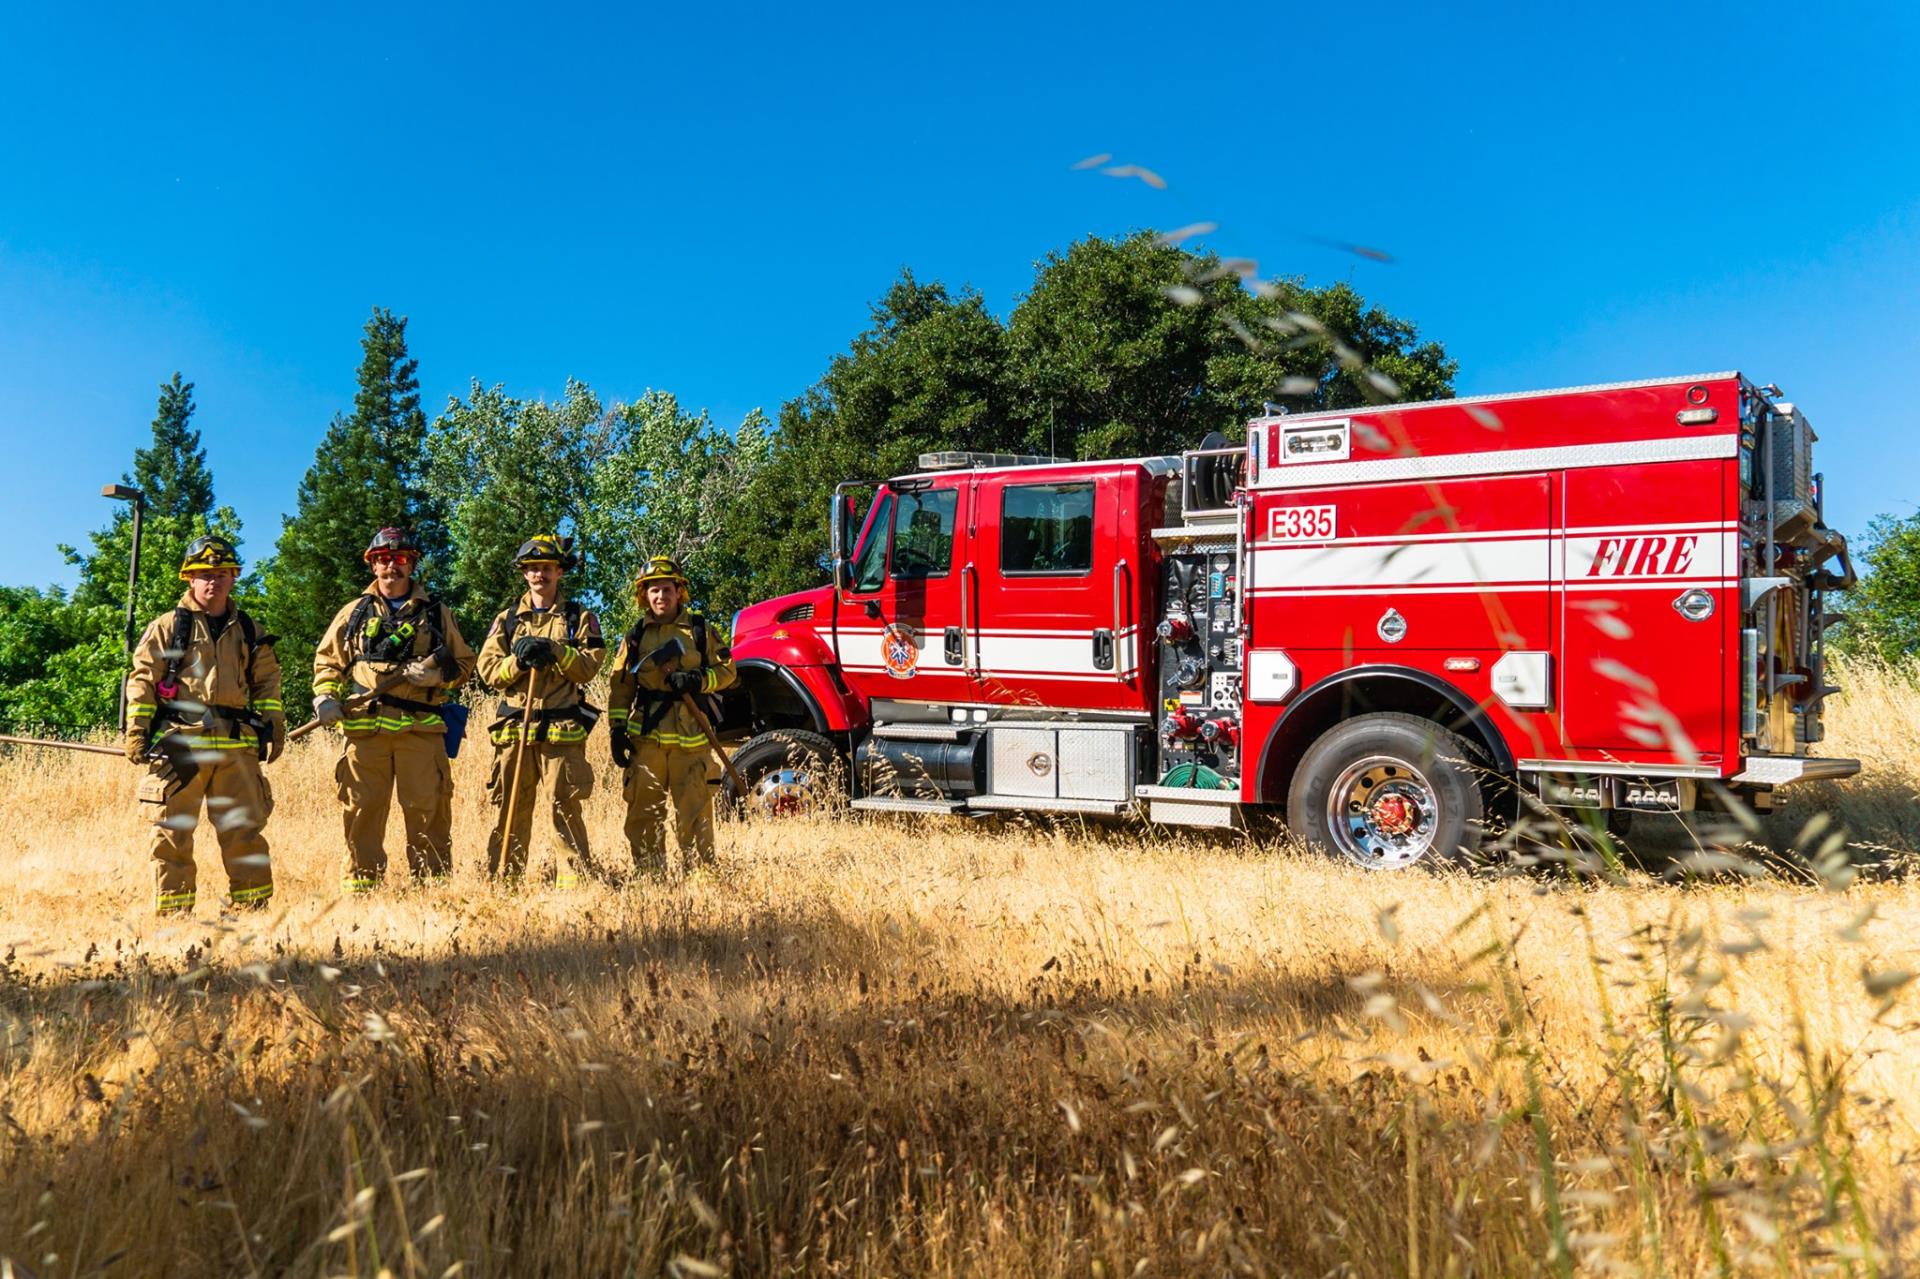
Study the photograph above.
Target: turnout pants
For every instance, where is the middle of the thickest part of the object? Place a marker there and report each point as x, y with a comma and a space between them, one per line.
373, 769
656, 774
563, 765
229, 783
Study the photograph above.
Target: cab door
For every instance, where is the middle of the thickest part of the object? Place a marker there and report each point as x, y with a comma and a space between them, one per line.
1056, 593
898, 633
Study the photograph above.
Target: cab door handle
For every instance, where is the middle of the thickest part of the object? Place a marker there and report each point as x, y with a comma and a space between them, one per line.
1103, 650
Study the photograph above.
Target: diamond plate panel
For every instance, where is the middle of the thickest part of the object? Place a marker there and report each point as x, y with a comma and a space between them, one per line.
1022, 761
1096, 764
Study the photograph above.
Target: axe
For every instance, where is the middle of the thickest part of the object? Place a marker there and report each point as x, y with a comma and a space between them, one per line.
669, 655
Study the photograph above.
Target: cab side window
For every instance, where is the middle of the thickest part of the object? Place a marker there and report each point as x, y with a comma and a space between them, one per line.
870, 561
1046, 529
923, 534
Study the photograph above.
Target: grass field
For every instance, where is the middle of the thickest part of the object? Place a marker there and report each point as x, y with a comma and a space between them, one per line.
887, 1047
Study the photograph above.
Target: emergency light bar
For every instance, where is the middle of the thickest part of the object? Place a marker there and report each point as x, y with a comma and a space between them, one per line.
960, 460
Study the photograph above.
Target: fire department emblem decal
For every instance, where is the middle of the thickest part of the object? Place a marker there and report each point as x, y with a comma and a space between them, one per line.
1392, 627
898, 652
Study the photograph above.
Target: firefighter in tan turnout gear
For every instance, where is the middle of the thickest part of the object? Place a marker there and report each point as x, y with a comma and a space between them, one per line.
540, 653
657, 736
203, 713
381, 675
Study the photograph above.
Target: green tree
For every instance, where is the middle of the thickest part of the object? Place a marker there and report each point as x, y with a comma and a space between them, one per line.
669, 483
1883, 611
1133, 347
60, 663
368, 472
172, 471
928, 372
505, 469
626, 481
75, 673
1121, 348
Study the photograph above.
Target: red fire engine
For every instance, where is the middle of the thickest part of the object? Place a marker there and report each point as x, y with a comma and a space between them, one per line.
1378, 619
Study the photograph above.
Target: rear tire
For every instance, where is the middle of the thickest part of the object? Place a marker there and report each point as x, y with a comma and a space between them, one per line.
1388, 791
789, 773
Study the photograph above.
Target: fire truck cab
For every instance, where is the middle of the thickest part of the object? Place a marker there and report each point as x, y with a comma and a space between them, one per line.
1378, 621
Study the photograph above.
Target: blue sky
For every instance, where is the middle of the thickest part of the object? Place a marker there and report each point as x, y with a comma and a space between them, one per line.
706, 202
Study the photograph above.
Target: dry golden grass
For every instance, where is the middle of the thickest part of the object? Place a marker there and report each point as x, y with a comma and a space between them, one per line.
882, 1047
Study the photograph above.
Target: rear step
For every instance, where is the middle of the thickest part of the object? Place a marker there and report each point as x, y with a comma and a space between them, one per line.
896, 804
911, 732
1030, 804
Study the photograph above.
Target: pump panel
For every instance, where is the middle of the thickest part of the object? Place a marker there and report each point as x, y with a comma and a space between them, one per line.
1200, 669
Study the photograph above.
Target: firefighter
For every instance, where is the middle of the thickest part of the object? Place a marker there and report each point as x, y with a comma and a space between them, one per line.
540, 653
203, 713
657, 735
397, 641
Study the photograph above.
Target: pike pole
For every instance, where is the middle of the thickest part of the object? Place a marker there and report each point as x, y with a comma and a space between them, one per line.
91, 748
513, 787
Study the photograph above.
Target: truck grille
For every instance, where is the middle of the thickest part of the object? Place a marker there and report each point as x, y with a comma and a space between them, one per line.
796, 613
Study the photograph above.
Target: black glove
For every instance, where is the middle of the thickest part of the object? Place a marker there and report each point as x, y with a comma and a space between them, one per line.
685, 681
535, 652
621, 745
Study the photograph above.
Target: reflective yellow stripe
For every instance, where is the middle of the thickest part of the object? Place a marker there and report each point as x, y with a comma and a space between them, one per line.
142, 710
617, 715
504, 673
404, 722
712, 680
696, 741
219, 743
174, 901
269, 704
252, 896
335, 688
559, 732
353, 884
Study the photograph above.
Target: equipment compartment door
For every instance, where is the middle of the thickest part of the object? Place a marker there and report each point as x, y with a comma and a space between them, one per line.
899, 629
1060, 581
1651, 571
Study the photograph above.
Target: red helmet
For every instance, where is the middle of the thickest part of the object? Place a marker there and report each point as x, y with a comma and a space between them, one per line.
391, 541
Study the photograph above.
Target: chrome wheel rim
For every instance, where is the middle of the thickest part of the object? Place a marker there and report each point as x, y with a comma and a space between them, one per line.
1382, 813
784, 792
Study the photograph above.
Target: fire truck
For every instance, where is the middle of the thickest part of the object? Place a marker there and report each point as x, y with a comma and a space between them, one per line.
1378, 622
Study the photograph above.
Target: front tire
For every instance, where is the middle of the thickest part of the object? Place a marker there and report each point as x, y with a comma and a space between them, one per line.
789, 773
1387, 791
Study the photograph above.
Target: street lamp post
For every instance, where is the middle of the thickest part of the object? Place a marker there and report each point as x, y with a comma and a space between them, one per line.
127, 493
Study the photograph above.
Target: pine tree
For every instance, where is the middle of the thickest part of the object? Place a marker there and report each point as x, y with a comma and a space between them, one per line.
367, 473
172, 471
69, 674
172, 474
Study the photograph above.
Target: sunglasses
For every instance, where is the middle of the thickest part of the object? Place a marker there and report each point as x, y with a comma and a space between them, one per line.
389, 557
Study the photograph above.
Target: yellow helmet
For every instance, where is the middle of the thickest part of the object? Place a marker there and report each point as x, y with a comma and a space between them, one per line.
545, 548
659, 568
209, 552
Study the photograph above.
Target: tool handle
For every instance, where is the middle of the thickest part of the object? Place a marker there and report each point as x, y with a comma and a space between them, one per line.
360, 702
91, 748
713, 744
